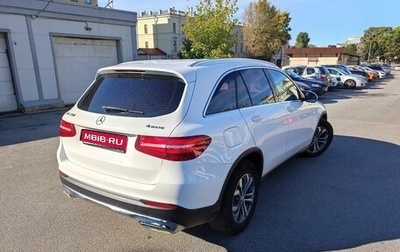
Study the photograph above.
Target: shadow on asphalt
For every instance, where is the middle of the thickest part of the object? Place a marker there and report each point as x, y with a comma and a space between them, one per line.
336, 95
352, 199
19, 128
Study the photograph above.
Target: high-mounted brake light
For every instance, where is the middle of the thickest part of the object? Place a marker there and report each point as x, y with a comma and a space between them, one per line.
173, 148
67, 129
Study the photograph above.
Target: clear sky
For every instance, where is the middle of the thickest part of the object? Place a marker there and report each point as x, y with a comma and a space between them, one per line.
327, 22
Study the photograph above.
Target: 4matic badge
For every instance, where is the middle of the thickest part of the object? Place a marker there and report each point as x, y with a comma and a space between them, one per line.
155, 127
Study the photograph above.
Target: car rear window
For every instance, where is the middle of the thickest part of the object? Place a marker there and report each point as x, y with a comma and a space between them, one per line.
134, 95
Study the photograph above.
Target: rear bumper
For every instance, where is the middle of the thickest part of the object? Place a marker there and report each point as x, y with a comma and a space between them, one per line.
167, 221
320, 91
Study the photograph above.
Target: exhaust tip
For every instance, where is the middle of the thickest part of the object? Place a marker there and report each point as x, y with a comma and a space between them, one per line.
161, 226
69, 193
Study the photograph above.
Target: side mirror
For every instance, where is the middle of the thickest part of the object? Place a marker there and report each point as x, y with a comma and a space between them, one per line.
310, 96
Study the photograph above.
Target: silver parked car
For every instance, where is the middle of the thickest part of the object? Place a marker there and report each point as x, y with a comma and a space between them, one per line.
348, 80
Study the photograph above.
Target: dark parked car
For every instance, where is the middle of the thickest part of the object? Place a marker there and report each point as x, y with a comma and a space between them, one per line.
317, 86
316, 72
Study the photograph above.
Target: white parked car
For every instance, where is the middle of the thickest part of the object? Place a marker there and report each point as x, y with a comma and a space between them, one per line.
386, 68
178, 143
348, 80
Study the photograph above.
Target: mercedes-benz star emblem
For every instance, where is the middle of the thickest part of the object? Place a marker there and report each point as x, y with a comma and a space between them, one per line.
100, 120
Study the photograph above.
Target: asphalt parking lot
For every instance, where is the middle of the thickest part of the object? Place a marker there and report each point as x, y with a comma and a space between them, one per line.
345, 200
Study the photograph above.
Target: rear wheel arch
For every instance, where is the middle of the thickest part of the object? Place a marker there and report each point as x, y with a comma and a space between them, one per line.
322, 138
324, 116
255, 156
238, 196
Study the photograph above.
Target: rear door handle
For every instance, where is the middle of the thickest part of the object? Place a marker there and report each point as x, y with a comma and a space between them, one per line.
256, 118
290, 109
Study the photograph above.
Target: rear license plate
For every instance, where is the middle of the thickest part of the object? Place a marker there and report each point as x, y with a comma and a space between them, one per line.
105, 140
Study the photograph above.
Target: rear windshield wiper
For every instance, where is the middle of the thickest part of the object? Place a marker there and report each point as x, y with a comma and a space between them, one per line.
110, 109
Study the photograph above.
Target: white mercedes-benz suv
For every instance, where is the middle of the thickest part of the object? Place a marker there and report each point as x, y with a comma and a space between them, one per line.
179, 143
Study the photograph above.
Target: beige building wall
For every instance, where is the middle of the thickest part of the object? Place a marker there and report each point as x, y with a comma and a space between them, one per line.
312, 61
162, 29
326, 61
298, 61
239, 49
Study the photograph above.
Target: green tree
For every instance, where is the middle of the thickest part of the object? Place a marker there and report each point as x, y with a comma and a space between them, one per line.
265, 29
373, 42
186, 51
209, 32
302, 40
352, 48
392, 52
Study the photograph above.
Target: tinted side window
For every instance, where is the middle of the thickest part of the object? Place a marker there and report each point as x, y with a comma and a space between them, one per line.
139, 95
285, 89
244, 99
300, 70
333, 71
310, 70
224, 98
258, 85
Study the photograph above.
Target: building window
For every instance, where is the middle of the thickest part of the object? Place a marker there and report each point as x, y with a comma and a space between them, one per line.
74, 0
145, 29
146, 44
173, 27
88, 1
181, 31
174, 45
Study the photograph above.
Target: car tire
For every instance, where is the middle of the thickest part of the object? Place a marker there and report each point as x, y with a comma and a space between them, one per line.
350, 84
239, 200
322, 138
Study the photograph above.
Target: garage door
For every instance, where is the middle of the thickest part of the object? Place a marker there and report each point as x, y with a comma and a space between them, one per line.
8, 100
77, 60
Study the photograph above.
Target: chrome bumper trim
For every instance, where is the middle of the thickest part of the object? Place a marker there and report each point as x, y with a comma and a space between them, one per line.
146, 221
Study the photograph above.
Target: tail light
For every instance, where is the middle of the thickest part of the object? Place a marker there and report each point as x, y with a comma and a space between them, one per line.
62, 174
173, 148
67, 129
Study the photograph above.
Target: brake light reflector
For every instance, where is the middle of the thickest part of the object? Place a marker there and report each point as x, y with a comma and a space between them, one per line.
67, 129
173, 148
159, 205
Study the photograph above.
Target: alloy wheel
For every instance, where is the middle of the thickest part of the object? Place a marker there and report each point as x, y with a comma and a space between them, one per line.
320, 140
243, 198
